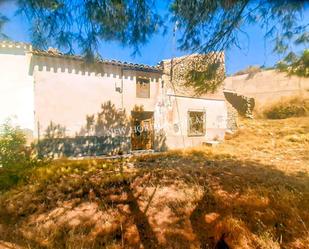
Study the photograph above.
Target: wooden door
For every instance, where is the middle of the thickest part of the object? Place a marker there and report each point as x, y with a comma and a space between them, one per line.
142, 134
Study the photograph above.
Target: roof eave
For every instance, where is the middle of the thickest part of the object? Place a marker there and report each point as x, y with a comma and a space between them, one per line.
124, 65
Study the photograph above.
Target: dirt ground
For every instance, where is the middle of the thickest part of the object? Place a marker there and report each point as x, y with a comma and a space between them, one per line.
252, 191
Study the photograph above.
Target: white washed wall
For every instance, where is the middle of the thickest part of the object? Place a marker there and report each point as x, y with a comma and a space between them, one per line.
37, 90
66, 94
16, 87
216, 120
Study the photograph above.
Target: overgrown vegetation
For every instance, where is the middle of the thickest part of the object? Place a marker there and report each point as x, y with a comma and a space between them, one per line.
287, 107
295, 65
251, 70
253, 188
15, 156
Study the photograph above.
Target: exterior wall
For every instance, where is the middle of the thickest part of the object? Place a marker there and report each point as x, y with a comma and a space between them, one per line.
177, 116
178, 101
232, 117
16, 86
39, 90
66, 92
267, 86
184, 64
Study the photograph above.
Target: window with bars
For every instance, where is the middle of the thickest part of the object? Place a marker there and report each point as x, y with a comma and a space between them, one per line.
196, 123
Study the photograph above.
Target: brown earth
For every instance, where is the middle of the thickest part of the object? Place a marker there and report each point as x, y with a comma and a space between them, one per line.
252, 191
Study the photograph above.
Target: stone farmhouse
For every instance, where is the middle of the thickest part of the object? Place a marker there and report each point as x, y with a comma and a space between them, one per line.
76, 108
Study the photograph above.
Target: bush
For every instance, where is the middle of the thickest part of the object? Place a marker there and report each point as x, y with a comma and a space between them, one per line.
12, 144
295, 65
251, 71
286, 108
15, 156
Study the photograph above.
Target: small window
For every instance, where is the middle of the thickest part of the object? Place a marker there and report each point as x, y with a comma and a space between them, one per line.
196, 123
142, 88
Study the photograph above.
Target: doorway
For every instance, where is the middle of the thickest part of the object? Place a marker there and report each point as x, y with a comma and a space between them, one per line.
142, 132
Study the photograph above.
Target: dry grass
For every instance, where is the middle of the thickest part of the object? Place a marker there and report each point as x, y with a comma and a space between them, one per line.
253, 190
286, 107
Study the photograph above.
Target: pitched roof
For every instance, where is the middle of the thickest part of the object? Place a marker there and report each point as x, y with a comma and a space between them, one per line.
56, 54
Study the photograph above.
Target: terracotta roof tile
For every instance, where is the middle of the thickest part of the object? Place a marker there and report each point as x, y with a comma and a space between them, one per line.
125, 64
57, 54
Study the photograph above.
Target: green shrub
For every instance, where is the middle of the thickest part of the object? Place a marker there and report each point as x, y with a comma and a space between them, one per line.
15, 156
286, 108
12, 146
295, 64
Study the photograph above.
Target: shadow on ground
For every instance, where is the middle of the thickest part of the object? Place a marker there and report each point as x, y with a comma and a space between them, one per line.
171, 200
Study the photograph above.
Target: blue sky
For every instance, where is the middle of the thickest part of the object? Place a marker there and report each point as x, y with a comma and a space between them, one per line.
255, 50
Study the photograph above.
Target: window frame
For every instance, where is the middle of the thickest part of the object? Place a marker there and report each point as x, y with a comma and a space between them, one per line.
136, 84
190, 133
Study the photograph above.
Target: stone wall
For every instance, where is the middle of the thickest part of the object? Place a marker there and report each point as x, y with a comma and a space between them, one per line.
242, 104
267, 86
180, 68
232, 117
180, 99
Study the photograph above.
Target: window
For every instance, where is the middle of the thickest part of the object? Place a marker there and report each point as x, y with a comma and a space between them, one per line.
196, 123
142, 88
